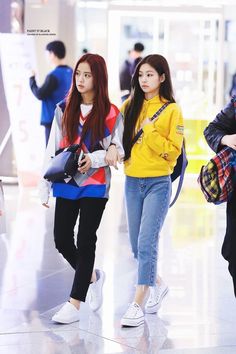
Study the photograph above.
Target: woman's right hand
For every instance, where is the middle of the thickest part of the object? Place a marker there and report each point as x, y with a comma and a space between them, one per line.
229, 140
112, 157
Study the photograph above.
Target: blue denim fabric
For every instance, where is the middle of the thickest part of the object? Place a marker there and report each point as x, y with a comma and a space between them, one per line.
147, 204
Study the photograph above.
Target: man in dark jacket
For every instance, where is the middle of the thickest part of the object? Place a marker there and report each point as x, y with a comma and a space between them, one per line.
222, 132
128, 68
232, 91
55, 86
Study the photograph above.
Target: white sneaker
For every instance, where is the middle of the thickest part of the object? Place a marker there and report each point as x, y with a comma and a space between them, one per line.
95, 291
157, 293
133, 317
67, 314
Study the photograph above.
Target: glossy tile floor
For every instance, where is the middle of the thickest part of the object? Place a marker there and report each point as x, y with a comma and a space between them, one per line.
198, 316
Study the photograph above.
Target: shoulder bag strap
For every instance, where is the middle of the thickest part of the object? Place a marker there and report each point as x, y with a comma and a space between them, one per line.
156, 115
181, 177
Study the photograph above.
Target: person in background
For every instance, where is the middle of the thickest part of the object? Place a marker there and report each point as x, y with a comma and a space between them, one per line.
219, 133
149, 163
128, 67
86, 117
232, 91
55, 86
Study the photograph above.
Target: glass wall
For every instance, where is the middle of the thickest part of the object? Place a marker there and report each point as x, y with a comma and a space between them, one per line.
91, 29
192, 43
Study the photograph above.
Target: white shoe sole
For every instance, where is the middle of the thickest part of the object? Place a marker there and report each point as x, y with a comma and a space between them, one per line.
59, 320
155, 308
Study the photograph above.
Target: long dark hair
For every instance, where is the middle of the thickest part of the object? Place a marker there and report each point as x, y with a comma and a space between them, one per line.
133, 109
95, 122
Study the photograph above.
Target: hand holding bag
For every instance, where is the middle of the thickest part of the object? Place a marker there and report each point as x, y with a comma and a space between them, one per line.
64, 164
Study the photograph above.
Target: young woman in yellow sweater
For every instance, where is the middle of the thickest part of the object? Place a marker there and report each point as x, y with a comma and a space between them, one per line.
149, 163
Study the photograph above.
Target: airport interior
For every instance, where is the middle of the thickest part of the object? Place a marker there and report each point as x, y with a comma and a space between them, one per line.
198, 314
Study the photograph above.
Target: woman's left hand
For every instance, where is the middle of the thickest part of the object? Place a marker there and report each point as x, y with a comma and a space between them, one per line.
85, 164
145, 122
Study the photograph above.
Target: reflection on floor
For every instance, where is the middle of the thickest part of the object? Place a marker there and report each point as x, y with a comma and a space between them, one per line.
197, 316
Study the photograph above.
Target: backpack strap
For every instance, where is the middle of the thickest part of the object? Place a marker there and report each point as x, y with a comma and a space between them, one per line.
181, 177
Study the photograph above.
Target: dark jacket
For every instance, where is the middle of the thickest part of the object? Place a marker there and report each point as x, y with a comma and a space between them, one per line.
135, 63
125, 76
53, 90
225, 124
232, 91
126, 73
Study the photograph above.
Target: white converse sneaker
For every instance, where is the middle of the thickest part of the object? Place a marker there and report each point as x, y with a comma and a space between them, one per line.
157, 293
95, 291
67, 314
133, 317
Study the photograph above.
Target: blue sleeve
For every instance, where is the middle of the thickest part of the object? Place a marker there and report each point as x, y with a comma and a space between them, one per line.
46, 90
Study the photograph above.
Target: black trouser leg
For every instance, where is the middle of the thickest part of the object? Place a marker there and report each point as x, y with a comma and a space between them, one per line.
66, 213
91, 210
229, 244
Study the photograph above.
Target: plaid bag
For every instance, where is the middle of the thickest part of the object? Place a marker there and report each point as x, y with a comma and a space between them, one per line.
217, 177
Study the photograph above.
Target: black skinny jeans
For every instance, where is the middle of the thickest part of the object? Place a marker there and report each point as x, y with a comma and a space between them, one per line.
82, 255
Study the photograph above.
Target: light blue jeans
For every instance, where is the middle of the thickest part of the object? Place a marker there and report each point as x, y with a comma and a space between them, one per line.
147, 204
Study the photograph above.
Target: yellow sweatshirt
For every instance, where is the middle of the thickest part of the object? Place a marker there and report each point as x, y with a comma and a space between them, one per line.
156, 153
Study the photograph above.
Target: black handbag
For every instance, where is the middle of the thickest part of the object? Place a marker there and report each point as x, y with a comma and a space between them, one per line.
64, 164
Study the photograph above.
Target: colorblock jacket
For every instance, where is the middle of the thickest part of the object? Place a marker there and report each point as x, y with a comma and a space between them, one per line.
96, 182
